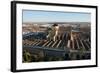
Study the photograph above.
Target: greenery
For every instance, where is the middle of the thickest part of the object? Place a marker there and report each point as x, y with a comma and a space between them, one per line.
26, 56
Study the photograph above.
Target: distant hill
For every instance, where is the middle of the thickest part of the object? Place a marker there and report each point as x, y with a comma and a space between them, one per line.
56, 23
49, 24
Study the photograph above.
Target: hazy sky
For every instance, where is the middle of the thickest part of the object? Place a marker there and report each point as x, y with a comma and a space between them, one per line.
47, 16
